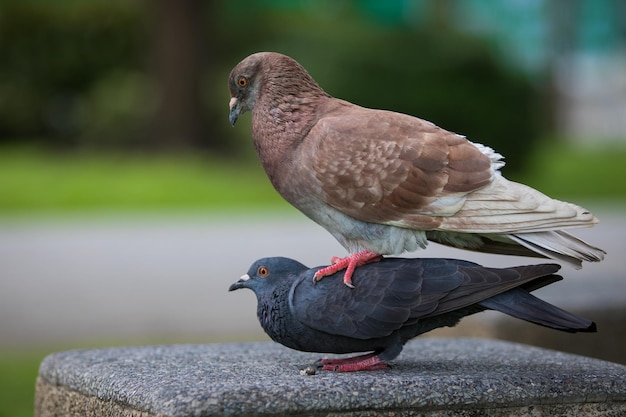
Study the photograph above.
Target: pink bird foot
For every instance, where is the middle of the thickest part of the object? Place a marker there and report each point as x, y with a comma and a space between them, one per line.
369, 362
349, 263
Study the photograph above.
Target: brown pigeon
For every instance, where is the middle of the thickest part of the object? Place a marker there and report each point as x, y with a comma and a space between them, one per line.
383, 183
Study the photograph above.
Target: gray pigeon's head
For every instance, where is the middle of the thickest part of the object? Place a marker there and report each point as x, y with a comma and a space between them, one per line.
267, 273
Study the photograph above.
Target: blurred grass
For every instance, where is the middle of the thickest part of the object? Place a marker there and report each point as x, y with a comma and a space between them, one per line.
589, 172
18, 372
33, 181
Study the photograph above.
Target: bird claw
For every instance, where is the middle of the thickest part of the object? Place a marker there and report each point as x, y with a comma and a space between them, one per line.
324, 272
348, 263
335, 259
317, 278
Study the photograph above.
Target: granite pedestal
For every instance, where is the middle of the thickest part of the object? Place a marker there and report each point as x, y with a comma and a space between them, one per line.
432, 377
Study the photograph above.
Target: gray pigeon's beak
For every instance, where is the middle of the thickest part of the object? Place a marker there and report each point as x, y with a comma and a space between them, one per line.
235, 110
241, 283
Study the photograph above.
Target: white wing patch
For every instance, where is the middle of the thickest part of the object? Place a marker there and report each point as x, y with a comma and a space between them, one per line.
509, 207
496, 158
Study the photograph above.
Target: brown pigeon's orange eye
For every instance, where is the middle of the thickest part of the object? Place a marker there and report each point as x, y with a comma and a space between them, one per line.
242, 81
263, 271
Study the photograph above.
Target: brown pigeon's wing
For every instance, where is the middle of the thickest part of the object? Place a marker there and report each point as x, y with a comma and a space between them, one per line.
508, 207
389, 168
384, 167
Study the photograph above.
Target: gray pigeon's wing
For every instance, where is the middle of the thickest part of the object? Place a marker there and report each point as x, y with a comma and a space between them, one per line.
381, 167
480, 283
386, 296
396, 292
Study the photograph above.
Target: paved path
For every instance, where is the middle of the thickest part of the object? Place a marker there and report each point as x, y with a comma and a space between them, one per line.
143, 278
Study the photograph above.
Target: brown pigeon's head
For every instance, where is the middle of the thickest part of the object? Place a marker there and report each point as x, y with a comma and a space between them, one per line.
275, 73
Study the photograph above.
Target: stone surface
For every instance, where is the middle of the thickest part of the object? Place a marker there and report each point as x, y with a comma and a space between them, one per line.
432, 377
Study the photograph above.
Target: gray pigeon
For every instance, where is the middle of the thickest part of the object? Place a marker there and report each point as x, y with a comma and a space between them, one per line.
383, 183
393, 301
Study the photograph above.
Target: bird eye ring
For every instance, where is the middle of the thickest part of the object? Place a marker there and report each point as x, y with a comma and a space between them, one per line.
242, 81
263, 271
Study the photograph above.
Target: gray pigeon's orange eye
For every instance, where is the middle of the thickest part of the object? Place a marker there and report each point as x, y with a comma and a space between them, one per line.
242, 81
263, 271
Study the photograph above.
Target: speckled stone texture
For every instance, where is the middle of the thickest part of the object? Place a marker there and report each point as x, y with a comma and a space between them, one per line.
432, 377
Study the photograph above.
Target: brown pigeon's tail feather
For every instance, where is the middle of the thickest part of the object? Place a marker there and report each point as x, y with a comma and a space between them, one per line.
561, 246
514, 219
558, 245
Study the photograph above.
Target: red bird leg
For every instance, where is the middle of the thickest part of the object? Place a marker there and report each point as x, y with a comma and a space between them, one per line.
340, 361
368, 362
349, 263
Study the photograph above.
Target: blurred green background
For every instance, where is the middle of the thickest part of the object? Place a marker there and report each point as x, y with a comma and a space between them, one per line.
122, 105
117, 104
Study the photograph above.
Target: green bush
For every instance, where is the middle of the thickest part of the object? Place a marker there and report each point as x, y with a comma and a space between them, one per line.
76, 73
55, 55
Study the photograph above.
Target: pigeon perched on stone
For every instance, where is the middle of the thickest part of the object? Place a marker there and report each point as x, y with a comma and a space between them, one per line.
393, 301
383, 183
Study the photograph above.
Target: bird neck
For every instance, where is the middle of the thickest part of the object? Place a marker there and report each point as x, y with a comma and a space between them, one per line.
273, 313
287, 106
281, 119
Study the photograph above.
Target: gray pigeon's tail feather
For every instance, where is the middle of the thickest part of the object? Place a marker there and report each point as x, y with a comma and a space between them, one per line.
559, 245
520, 304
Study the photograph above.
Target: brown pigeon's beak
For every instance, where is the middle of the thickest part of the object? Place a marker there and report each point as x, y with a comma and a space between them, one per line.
235, 110
241, 283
